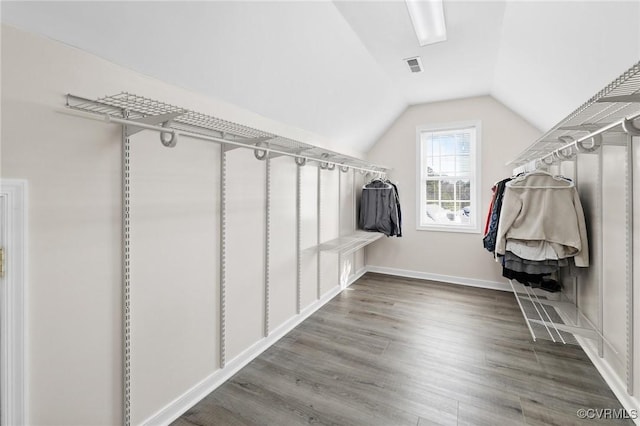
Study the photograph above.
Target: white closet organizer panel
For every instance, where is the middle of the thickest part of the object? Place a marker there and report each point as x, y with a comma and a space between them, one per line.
350, 243
138, 112
603, 126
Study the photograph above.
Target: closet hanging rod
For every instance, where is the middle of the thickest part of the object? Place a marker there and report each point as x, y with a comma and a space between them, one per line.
624, 122
164, 129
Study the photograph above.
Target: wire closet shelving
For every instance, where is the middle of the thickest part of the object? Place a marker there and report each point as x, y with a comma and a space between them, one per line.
614, 109
138, 113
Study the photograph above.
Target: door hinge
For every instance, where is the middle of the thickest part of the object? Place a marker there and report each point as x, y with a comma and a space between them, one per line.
1, 262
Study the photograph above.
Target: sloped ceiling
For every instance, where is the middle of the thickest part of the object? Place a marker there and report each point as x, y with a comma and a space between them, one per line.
335, 68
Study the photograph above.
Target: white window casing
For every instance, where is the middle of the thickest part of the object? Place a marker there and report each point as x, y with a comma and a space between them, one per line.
448, 177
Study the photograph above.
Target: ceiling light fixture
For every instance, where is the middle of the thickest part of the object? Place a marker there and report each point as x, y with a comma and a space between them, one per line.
427, 17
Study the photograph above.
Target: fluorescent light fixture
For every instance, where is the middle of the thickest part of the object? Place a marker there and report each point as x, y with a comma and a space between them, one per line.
427, 17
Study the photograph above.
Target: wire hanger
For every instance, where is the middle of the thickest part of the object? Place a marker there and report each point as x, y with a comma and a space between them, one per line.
568, 183
387, 185
378, 178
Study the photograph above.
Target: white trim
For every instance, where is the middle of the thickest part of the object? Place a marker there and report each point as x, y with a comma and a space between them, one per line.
178, 406
618, 387
471, 282
356, 276
475, 177
449, 228
12, 347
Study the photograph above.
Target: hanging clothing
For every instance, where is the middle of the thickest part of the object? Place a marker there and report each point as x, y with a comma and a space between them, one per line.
380, 208
493, 202
531, 280
535, 227
489, 240
546, 266
542, 207
398, 209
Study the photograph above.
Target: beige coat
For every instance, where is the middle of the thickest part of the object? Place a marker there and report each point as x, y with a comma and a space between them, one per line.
540, 207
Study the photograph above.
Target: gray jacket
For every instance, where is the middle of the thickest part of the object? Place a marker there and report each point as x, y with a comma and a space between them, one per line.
380, 208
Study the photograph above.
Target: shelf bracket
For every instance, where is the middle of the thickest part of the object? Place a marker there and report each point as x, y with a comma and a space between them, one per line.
261, 151
168, 139
630, 127
596, 141
164, 119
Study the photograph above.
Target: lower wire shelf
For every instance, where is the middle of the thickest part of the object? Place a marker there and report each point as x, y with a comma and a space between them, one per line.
556, 320
350, 243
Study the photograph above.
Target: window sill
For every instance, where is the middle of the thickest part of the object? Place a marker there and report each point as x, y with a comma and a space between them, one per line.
446, 228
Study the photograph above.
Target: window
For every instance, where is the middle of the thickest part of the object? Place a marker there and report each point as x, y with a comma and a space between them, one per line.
448, 170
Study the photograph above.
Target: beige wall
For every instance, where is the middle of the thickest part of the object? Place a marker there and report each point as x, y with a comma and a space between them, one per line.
460, 255
73, 169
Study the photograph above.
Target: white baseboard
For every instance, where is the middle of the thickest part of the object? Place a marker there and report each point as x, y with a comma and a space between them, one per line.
178, 406
356, 276
471, 282
630, 403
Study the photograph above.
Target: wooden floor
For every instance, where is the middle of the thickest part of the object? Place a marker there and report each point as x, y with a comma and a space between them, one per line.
395, 352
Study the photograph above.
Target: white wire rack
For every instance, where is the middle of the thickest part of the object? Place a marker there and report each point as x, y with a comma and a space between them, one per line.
557, 320
139, 112
618, 101
350, 243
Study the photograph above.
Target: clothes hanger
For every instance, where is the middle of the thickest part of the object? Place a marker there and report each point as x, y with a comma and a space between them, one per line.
568, 183
386, 184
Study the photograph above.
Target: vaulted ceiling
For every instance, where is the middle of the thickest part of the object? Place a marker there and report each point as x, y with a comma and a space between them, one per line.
336, 68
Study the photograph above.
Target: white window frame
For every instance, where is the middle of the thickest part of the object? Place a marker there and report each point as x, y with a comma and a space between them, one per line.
475, 178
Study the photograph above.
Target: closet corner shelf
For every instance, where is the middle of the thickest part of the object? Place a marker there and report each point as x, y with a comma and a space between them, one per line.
605, 110
551, 319
138, 113
350, 243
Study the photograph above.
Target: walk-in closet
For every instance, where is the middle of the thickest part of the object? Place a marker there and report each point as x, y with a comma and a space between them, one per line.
403, 212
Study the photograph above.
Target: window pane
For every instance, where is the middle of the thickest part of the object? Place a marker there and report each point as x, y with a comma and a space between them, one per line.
463, 189
448, 188
432, 189
447, 145
463, 164
464, 144
465, 212
436, 169
429, 171
450, 207
435, 146
448, 165
427, 144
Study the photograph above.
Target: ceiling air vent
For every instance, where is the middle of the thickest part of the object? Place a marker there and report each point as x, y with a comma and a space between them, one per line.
415, 64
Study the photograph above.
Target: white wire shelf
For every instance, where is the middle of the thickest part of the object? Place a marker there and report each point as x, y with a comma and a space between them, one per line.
550, 319
619, 100
135, 108
350, 243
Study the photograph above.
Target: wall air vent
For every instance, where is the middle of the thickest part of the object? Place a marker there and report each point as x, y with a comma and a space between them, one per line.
415, 64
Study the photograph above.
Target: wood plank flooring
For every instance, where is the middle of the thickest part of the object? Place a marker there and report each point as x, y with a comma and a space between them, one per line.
395, 352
